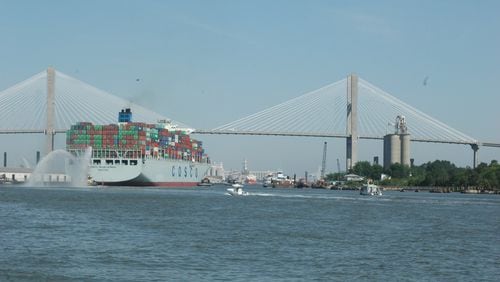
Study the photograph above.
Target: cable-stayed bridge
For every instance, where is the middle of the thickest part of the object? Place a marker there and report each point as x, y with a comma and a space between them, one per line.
323, 113
352, 108
25, 106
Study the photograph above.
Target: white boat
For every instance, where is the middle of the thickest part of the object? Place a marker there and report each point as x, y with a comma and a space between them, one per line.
370, 190
237, 190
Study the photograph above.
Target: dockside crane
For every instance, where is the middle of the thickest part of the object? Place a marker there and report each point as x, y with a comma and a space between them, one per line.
323, 164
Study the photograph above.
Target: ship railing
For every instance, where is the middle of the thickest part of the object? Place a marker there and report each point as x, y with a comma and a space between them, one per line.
137, 154
165, 156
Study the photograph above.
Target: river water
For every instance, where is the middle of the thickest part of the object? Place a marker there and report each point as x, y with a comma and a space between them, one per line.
202, 234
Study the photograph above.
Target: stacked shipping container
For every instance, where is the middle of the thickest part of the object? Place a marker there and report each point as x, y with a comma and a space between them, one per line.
134, 139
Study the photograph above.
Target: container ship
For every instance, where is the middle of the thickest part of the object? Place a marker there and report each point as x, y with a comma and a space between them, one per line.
139, 154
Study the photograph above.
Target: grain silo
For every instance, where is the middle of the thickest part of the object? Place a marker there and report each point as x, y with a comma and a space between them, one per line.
392, 150
405, 149
397, 145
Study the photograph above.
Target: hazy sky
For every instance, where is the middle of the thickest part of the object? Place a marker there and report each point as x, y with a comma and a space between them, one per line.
207, 63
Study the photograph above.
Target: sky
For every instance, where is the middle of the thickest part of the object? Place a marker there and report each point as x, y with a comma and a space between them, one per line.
207, 63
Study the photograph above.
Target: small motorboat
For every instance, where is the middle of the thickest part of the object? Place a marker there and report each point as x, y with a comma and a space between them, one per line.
370, 190
237, 190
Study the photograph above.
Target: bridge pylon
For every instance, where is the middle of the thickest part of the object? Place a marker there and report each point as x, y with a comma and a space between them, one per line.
50, 131
352, 122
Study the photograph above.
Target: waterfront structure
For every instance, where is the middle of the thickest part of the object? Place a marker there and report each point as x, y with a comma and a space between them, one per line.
397, 144
353, 177
352, 122
20, 175
15, 175
51, 107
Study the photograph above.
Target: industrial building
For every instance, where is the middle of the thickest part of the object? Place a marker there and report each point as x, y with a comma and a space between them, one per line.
397, 145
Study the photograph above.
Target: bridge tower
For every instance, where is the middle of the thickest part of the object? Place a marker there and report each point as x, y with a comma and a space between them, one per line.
352, 122
50, 131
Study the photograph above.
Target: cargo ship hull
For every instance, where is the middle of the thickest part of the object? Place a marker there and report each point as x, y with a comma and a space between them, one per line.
147, 172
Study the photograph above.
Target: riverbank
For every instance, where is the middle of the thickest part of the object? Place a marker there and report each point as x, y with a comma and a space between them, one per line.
441, 190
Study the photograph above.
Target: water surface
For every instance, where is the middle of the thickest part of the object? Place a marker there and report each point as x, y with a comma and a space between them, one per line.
200, 234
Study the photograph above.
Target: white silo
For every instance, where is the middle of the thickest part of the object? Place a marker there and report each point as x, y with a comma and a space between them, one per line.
392, 150
397, 145
405, 149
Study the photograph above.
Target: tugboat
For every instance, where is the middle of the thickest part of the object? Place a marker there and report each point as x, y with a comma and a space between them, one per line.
205, 182
282, 181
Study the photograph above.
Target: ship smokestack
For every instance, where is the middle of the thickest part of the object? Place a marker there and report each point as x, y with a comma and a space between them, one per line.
125, 115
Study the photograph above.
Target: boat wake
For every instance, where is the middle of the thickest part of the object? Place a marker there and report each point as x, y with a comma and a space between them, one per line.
386, 198
302, 196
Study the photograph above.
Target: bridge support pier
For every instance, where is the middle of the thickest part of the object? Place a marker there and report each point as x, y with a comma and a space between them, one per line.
352, 122
475, 161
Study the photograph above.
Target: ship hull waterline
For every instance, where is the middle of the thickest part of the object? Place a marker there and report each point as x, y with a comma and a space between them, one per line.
150, 172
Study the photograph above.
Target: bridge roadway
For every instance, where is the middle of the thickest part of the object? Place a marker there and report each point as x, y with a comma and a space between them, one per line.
29, 131
263, 133
233, 132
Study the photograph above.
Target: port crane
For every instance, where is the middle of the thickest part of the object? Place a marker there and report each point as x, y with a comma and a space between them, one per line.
323, 164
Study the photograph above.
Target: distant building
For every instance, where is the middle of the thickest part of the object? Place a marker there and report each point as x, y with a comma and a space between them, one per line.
13, 175
353, 177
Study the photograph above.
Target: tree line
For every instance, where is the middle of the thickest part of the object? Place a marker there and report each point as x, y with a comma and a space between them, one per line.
437, 173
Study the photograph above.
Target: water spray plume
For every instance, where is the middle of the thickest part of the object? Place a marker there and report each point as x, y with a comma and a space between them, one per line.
60, 167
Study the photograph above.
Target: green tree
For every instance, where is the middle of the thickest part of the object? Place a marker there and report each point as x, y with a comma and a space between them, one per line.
472, 177
438, 173
488, 176
459, 178
363, 168
480, 167
488, 179
398, 170
376, 172
417, 177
